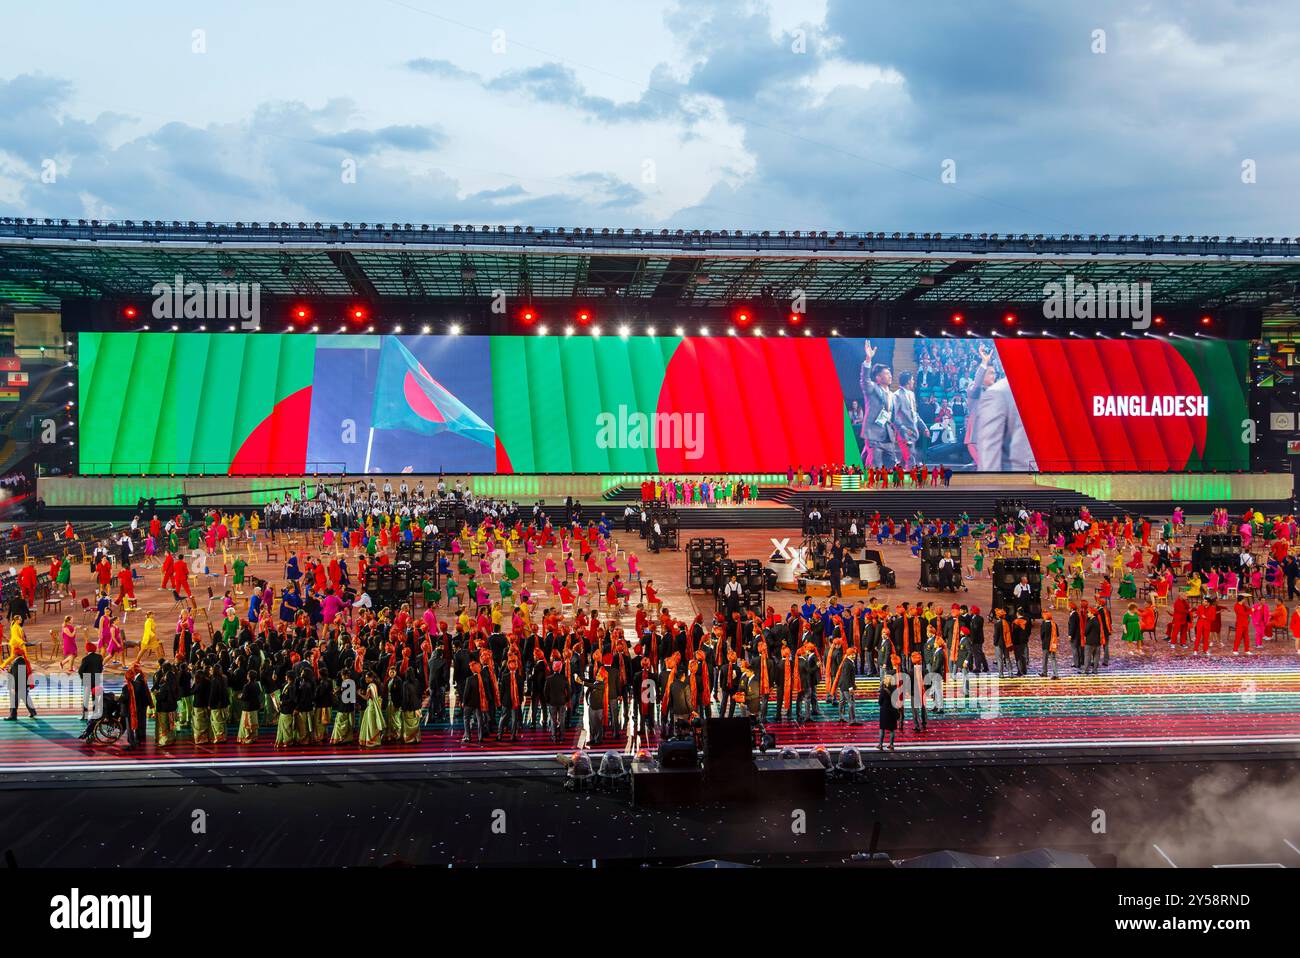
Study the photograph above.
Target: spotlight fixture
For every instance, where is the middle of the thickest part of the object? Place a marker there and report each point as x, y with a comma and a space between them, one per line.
584, 316
624, 332
424, 330
704, 330
357, 313
679, 331
130, 312
455, 329
1009, 319
958, 319
568, 330
301, 313
649, 330
595, 332
541, 330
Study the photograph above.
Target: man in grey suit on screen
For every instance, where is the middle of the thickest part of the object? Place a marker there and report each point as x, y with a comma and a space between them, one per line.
1001, 444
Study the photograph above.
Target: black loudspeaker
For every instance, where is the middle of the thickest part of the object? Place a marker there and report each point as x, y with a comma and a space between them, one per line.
728, 741
678, 753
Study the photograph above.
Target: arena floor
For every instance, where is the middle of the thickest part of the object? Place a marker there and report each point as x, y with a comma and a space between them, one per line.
1165, 699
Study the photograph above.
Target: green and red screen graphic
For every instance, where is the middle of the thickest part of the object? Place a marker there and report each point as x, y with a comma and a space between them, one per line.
258, 403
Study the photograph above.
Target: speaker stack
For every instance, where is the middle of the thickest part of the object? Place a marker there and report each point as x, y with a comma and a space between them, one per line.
932, 550
842, 520
1006, 510
703, 557
816, 528
752, 578
669, 526
1061, 522
1216, 550
1006, 576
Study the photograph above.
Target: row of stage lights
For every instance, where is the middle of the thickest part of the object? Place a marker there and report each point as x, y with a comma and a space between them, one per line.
584, 320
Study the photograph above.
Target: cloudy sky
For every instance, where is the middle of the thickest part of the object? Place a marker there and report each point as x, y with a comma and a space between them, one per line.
950, 115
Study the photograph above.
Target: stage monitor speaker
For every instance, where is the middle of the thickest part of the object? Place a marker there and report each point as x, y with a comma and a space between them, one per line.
728, 741
678, 753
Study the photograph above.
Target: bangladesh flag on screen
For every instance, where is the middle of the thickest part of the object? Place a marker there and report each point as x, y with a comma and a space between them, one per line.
407, 397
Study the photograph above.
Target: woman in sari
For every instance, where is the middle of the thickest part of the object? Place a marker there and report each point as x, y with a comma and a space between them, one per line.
372, 719
282, 702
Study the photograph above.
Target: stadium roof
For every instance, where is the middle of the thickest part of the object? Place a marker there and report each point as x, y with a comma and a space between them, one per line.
45, 261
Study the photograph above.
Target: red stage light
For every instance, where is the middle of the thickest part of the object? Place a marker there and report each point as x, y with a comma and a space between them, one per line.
584, 316
301, 313
958, 318
130, 312
796, 318
742, 317
1205, 320
1009, 319
357, 313
1159, 320
528, 316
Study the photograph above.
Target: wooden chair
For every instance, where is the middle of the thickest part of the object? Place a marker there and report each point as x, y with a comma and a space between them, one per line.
53, 602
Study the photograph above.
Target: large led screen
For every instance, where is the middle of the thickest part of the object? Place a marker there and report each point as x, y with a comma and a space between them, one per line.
246, 404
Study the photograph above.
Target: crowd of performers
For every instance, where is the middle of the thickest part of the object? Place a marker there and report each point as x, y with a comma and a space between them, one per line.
526, 643
677, 491
873, 477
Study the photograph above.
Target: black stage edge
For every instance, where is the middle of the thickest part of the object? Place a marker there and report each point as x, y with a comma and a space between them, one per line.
1126, 809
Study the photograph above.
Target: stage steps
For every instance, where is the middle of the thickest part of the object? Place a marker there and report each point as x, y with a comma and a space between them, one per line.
719, 517
951, 502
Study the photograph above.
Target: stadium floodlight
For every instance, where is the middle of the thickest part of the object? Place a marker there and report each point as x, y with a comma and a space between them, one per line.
541, 330
425, 330
595, 331
568, 330
624, 332
454, 329
704, 330
649, 330
679, 331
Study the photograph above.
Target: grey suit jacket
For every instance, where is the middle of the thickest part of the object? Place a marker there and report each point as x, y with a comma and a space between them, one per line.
1001, 444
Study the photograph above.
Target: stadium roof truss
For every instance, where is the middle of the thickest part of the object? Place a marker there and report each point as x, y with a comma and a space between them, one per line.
42, 263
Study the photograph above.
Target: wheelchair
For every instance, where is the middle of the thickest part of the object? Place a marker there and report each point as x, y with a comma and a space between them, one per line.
108, 727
